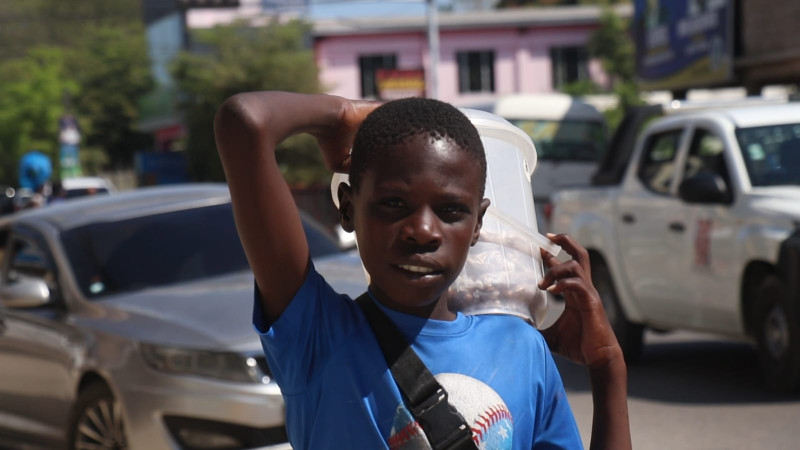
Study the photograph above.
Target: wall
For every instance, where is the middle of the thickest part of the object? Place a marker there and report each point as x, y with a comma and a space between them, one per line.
522, 58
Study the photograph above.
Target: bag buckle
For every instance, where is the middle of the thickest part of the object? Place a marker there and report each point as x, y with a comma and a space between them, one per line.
441, 423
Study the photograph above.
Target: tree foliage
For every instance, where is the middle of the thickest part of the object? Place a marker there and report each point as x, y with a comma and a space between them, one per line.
26, 24
86, 58
31, 102
112, 66
612, 44
238, 58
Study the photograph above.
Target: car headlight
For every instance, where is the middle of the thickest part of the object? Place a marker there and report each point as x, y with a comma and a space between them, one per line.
203, 363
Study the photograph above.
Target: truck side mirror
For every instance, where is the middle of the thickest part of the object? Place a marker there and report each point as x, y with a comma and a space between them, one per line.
25, 294
704, 187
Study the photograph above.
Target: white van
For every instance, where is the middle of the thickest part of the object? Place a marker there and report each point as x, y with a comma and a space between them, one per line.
570, 139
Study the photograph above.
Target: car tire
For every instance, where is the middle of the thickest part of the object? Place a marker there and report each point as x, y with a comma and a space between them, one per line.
629, 335
777, 335
96, 421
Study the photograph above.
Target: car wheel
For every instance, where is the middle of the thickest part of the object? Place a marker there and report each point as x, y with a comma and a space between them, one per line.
778, 336
629, 334
96, 422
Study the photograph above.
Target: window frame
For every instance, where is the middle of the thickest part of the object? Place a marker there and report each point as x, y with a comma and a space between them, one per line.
485, 67
560, 66
388, 61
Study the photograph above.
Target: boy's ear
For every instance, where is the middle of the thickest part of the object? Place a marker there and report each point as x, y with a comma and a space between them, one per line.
477, 233
345, 194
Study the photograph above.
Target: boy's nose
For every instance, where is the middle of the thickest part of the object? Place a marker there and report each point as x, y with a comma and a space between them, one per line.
422, 228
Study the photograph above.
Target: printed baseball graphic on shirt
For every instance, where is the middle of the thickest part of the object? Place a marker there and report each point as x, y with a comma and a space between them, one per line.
483, 410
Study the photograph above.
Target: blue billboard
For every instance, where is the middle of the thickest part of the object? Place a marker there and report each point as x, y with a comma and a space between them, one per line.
682, 44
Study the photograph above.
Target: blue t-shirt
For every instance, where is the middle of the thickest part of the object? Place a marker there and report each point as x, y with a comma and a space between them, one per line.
340, 394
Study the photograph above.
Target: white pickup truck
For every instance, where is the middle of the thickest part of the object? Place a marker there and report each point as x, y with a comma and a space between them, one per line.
695, 224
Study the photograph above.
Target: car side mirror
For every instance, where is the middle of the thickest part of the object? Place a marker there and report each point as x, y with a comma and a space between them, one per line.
704, 187
25, 294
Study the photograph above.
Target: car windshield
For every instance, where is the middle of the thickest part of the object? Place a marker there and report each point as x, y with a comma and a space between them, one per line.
569, 140
771, 154
115, 257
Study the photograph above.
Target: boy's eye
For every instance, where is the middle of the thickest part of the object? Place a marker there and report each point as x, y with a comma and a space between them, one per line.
453, 212
392, 202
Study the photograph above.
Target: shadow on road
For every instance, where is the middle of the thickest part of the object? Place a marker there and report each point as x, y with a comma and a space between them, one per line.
699, 372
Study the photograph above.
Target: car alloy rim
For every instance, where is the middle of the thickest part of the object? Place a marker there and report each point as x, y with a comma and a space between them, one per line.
100, 427
776, 332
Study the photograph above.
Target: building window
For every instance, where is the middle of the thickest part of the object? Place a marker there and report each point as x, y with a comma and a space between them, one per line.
369, 65
570, 65
475, 71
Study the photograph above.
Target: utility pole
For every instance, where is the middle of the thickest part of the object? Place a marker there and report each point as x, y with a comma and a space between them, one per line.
433, 49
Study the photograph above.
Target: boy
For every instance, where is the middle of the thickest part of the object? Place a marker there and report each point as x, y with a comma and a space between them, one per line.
415, 202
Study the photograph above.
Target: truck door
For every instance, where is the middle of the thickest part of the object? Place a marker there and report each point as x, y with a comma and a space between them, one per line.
710, 237
651, 233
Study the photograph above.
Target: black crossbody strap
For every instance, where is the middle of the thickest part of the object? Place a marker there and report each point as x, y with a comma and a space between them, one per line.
445, 428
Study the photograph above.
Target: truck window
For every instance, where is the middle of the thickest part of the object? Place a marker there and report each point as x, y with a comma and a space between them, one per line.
706, 154
771, 154
658, 161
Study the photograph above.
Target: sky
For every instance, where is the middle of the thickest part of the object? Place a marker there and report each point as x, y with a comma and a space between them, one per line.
333, 9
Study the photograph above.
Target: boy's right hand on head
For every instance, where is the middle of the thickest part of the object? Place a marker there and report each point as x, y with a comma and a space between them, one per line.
335, 141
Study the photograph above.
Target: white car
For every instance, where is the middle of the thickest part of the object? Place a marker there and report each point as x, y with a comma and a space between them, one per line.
82, 186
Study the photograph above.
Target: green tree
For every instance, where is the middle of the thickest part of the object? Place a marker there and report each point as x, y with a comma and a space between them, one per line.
112, 66
26, 24
612, 44
32, 92
237, 58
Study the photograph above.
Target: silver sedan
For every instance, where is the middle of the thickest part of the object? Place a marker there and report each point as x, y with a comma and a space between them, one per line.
125, 322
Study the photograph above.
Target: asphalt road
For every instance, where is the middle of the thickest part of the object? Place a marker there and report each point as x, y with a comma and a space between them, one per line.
694, 391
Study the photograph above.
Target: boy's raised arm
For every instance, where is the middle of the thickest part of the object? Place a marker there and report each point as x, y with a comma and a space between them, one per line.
248, 127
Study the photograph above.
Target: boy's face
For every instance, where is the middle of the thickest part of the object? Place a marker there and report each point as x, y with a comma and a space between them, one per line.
416, 214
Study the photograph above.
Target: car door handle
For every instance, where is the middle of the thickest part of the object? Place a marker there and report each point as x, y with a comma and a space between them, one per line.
677, 227
628, 218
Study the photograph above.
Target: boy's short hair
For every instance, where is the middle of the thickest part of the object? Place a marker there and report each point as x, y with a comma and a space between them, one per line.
397, 120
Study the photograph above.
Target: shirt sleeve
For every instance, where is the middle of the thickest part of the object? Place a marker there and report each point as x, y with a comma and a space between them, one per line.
309, 330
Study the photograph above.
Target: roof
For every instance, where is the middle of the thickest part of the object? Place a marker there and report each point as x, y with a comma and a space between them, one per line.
498, 18
750, 115
128, 204
547, 106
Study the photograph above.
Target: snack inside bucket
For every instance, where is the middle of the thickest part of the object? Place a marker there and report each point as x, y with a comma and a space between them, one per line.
503, 270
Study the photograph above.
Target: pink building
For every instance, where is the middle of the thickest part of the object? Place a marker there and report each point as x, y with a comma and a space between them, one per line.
483, 54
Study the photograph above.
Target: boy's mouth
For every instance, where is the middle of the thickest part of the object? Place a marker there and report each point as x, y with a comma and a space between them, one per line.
416, 269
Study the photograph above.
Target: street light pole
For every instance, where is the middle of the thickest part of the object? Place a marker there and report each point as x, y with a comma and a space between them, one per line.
433, 49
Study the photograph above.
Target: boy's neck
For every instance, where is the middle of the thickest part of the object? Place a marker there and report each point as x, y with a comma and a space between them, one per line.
436, 310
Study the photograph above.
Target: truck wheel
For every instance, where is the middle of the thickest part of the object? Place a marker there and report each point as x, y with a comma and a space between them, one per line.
96, 421
629, 334
778, 336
